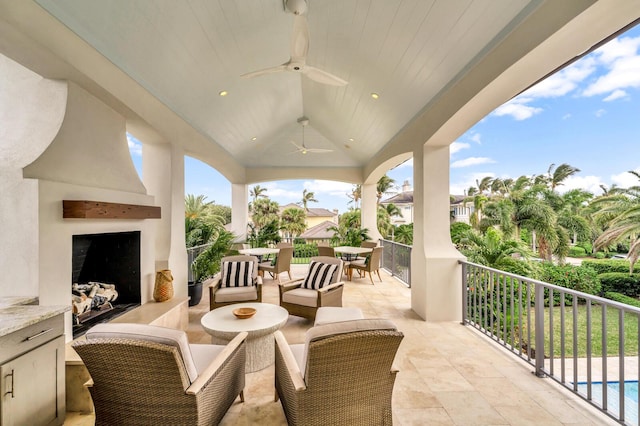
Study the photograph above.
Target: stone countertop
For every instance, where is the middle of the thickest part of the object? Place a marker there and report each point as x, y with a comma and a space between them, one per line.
17, 317
17, 300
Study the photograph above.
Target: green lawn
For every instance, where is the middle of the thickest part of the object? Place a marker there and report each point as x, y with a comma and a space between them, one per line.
630, 331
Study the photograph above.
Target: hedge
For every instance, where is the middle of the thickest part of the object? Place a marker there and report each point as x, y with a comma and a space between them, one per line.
577, 252
579, 278
305, 250
620, 282
607, 265
617, 297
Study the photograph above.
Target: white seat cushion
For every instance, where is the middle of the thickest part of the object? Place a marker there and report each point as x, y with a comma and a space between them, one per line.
328, 314
149, 333
203, 355
301, 296
236, 294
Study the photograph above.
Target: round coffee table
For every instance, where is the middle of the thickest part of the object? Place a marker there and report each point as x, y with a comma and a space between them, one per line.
223, 326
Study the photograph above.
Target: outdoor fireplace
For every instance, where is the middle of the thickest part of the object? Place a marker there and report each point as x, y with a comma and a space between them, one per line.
105, 277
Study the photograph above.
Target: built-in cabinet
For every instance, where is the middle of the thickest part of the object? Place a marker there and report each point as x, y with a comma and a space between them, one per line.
32, 362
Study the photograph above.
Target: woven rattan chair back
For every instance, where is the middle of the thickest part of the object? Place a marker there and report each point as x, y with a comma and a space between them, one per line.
326, 251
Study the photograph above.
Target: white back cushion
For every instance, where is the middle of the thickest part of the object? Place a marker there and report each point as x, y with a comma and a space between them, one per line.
149, 333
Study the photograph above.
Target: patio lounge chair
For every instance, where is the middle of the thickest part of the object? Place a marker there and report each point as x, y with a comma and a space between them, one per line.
222, 293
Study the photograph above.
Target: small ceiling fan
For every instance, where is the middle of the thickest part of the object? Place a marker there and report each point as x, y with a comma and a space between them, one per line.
304, 121
299, 49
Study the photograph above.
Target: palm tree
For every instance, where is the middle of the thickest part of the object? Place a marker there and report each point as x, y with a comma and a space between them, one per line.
384, 185
293, 221
622, 217
258, 192
264, 212
490, 249
556, 176
383, 222
195, 205
404, 234
355, 195
307, 197
392, 210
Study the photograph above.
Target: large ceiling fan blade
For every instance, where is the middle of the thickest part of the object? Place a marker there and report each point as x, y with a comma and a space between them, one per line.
299, 147
299, 39
323, 77
319, 150
271, 70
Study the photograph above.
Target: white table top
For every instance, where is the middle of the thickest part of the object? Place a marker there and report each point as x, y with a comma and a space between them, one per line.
223, 320
258, 251
352, 250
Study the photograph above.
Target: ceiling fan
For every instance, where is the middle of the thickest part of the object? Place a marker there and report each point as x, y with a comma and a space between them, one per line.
304, 121
299, 49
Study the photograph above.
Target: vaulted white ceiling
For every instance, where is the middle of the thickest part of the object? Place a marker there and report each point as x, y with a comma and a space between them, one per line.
427, 59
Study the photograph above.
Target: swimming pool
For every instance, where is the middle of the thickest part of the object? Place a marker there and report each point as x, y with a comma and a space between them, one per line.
613, 397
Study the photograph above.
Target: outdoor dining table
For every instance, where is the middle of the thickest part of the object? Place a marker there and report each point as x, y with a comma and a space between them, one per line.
348, 254
259, 252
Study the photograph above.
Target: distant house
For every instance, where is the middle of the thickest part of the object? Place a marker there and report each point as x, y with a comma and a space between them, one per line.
460, 210
315, 215
319, 233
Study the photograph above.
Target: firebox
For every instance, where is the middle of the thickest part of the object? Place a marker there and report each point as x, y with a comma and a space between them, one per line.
105, 277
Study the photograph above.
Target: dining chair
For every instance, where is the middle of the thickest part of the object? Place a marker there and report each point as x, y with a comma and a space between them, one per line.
282, 263
369, 264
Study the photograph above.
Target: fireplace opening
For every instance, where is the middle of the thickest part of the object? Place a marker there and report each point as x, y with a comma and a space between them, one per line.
105, 277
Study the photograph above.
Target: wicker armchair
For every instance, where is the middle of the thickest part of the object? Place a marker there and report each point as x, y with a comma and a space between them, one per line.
222, 296
144, 375
304, 302
282, 264
341, 375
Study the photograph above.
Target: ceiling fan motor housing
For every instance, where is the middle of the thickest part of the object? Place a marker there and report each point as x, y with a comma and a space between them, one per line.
297, 7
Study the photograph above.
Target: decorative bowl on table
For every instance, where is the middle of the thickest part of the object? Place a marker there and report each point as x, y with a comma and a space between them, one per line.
244, 313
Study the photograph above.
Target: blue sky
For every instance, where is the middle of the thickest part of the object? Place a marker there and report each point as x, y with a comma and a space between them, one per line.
587, 115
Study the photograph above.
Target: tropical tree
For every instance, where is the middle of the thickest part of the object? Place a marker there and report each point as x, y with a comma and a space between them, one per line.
293, 221
403, 234
348, 231
557, 175
258, 192
265, 211
392, 210
307, 197
490, 249
622, 213
355, 195
383, 222
384, 185
200, 223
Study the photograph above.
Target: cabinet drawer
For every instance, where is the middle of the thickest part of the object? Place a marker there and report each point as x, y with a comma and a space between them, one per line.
21, 341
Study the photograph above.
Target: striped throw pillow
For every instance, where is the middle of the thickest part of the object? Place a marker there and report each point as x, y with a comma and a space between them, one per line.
320, 275
237, 274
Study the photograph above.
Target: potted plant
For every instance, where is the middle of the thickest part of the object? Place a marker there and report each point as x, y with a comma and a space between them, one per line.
207, 264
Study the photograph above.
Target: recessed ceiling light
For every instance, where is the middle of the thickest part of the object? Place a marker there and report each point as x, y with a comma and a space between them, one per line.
254, 138
351, 139
223, 93
374, 95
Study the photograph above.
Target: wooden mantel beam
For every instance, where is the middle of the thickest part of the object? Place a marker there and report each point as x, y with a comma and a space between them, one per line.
85, 209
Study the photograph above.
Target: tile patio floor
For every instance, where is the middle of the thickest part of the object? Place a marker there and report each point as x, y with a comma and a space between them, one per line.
449, 374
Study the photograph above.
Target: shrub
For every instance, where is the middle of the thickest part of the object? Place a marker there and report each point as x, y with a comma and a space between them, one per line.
586, 245
305, 250
579, 278
457, 230
617, 297
607, 265
620, 282
577, 251
600, 255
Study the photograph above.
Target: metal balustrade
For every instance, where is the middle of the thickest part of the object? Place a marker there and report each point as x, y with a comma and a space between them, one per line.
566, 337
396, 258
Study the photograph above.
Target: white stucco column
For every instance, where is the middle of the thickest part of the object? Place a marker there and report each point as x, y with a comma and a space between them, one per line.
163, 176
435, 274
368, 213
239, 210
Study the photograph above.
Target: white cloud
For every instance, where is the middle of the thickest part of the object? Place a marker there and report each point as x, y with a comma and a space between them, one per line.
135, 147
622, 60
588, 183
460, 188
476, 138
471, 161
564, 81
625, 179
599, 113
617, 94
566, 116
456, 146
518, 109
330, 187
